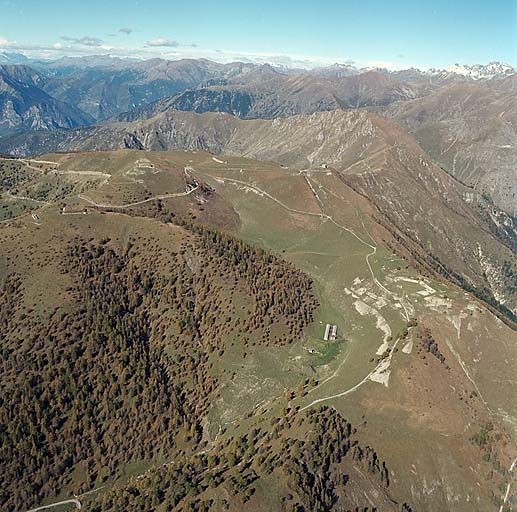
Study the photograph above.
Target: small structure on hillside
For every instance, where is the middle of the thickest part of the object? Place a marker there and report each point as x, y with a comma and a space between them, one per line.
330, 332
143, 163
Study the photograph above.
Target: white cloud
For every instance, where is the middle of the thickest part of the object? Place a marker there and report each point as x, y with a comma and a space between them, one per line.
287, 60
125, 30
165, 48
163, 41
84, 41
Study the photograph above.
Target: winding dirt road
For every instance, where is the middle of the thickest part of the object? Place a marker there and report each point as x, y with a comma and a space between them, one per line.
75, 501
136, 203
385, 363
508, 487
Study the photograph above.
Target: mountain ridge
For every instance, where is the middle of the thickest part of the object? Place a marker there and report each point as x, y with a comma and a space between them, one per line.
372, 153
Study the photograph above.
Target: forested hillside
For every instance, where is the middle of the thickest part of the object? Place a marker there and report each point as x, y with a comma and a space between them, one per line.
122, 368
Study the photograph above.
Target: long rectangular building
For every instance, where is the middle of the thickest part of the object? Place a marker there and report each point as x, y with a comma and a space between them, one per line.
330, 332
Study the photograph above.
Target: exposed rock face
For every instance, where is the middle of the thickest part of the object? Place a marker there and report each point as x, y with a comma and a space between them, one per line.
470, 129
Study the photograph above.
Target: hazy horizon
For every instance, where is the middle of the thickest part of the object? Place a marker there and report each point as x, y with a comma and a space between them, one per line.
397, 35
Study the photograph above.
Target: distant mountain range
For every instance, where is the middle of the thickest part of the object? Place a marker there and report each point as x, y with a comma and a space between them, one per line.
104, 87
493, 69
13, 58
477, 71
106, 90
264, 93
101, 87
24, 105
463, 116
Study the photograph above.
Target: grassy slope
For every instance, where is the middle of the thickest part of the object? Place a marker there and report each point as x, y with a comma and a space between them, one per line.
407, 409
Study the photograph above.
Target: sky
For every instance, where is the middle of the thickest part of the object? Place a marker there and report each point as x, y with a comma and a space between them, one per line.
298, 33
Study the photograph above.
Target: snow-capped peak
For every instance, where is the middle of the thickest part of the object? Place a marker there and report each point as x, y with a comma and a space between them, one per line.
336, 70
476, 71
339, 65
